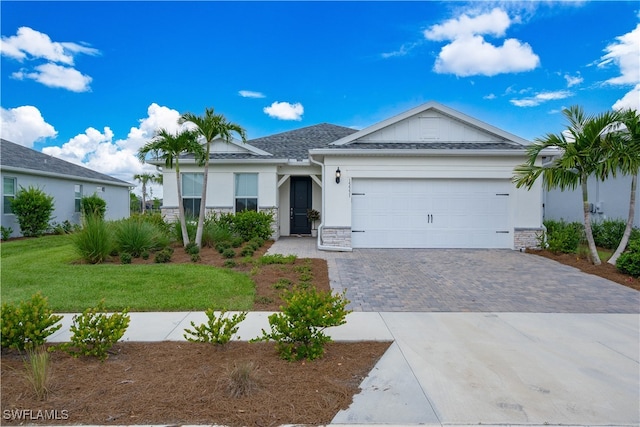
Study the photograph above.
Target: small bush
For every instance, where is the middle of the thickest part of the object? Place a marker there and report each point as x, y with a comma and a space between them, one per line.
28, 324
242, 380
236, 242
192, 248
298, 330
195, 257
33, 209
125, 258
94, 332
145, 255
192, 225
277, 259
38, 371
229, 263
213, 233
93, 206
229, 253
257, 241
629, 261
93, 243
134, 235
608, 233
247, 251
282, 284
163, 256
563, 237
6, 232
250, 224
222, 246
218, 330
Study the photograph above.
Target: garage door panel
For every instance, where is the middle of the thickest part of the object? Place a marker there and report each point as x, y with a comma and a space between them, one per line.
422, 213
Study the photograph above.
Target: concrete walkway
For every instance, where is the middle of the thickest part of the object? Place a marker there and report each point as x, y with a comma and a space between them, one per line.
577, 366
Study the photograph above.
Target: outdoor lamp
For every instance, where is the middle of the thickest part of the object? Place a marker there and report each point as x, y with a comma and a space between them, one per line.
338, 176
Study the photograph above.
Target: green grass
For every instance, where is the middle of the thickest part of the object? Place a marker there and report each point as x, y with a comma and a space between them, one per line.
49, 265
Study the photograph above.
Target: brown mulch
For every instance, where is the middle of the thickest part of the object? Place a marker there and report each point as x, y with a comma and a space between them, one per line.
605, 269
189, 383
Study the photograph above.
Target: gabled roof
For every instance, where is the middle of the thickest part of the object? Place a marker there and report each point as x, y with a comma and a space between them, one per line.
499, 138
15, 157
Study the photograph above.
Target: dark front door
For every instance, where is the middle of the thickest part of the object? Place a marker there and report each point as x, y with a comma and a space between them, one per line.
300, 202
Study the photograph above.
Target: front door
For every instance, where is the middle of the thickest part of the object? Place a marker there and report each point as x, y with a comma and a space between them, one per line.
300, 202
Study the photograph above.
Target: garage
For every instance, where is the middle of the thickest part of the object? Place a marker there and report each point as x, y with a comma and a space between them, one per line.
430, 213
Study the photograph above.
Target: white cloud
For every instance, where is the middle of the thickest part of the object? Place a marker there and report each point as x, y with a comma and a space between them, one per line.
29, 44
540, 98
573, 80
285, 111
490, 96
469, 54
404, 50
99, 151
631, 100
251, 94
24, 125
54, 75
624, 53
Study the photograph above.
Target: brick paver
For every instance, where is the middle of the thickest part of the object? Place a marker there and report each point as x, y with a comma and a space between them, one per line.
458, 280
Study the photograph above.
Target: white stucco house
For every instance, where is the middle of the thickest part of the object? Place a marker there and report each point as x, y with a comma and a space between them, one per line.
430, 177
66, 182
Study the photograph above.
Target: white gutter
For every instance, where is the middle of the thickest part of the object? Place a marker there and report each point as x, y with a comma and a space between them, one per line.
66, 177
319, 244
424, 152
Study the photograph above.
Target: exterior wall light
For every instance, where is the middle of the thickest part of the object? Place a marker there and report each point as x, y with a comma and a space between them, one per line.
338, 176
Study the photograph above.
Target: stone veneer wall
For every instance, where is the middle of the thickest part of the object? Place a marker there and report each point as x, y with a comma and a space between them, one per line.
336, 236
275, 225
527, 238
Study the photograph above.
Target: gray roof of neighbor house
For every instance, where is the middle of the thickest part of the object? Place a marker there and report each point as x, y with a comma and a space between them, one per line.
17, 157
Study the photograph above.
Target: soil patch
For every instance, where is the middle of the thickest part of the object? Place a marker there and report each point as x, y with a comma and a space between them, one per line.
604, 270
188, 383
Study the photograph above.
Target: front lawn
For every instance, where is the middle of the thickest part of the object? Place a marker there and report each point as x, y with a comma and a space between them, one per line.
50, 265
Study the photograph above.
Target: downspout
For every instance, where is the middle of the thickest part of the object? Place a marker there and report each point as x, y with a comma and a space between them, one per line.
319, 244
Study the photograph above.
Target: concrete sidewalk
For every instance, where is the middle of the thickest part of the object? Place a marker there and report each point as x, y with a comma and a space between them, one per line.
470, 368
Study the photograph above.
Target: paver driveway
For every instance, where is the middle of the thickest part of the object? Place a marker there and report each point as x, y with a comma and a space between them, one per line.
457, 280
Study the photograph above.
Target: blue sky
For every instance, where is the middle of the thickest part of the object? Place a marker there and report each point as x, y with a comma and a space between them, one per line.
91, 81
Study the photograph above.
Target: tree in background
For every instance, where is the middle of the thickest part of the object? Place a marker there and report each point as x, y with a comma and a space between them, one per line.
210, 126
145, 179
169, 147
585, 151
33, 209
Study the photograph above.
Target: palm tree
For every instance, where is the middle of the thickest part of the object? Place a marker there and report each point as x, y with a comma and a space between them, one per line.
170, 147
627, 159
146, 178
584, 154
210, 126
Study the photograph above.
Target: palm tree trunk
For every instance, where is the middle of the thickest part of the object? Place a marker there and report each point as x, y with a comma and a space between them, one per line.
144, 195
593, 251
181, 216
203, 199
627, 231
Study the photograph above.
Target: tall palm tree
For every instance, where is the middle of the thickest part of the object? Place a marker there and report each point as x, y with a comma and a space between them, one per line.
210, 126
627, 159
167, 146
146, 178
583, 154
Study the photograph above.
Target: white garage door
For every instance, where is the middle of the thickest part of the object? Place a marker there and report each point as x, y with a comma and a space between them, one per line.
430, 213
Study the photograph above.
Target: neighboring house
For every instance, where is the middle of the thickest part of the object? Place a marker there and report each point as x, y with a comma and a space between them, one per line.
22, 167
607, 200
431, 177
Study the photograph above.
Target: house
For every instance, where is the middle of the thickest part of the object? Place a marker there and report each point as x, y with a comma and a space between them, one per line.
67, 183
431, 177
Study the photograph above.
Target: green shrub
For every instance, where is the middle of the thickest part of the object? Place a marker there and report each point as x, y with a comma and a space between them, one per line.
163, 256
229, 263
250, 224
218, 330
257, 241
134, 235
38, 367
33, 209
93, 205
608, 233
192, 248
145, 255
125, 258
236, 242
222, 246
213, 233
28, 324
229, 253
563, 237
94, 242
282, 284
629, 261
277, 259
94, 332
247, 251
192, 226
298, 330
6, 232
195, 257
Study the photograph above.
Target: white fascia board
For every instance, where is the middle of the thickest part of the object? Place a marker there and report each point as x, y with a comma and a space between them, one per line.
65, 176
191, 162
432, 105
415, 152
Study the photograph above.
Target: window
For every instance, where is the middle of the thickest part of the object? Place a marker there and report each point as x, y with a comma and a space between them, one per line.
78, 197
246, 192
192, 193
9, 192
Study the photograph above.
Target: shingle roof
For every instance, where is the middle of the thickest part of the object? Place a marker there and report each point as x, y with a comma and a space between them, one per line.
17, 156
